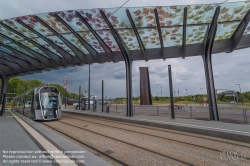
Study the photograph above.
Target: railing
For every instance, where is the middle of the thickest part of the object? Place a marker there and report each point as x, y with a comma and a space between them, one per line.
226, 114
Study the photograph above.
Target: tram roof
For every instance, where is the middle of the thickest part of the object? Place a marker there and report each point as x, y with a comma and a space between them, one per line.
33, 43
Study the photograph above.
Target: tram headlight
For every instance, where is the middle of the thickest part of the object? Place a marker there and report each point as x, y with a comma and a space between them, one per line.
56, 112
44, 113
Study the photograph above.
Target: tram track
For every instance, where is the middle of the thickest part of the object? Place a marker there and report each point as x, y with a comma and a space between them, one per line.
196, 155
112, 136
206, 138
140, 147
152, 135
91, 147
139, 150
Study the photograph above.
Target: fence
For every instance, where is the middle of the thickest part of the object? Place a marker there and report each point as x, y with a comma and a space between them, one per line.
229, 115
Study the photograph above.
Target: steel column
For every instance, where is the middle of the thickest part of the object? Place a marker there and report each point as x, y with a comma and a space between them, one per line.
89, 90
237, 35
102, 93
79, 102
65, 100
5, 80
207, 59
137, 35
171, 91
184, 32
105, 47
128, 63
159, 31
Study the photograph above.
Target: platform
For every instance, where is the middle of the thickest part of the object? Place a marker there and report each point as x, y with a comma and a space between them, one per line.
21, 137
231, 131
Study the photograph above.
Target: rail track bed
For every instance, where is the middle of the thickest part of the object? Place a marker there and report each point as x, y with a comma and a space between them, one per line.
129, 144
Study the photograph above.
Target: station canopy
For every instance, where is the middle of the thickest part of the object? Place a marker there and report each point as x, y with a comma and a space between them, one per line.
33, 43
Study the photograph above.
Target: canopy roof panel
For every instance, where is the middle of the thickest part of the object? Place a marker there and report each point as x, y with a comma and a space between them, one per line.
75, 37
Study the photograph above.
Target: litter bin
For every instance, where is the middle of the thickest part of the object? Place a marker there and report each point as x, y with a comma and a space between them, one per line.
107, 109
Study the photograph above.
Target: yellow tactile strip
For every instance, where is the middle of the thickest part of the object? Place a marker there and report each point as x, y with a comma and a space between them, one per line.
45, 143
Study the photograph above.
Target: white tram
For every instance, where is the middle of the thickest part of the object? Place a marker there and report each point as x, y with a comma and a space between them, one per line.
41, 103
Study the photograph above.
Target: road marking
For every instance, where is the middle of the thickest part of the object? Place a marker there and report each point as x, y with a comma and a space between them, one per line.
44, 142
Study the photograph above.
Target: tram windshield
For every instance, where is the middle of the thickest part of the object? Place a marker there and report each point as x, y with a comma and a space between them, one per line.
49, 98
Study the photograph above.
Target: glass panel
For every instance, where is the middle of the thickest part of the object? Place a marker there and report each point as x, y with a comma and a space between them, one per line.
233, 11
172, 36
72, 20
90, 38
119, 18
247, 31
18, 27
129, 38
9, 34
225, 30
18, 48
195, 34
197, 14
31, 46
53, 23
170, 15
33, 23
61, 44
149, 37
72, 39
10, 52
46, 45
3, 40
143, 17
108, 39
94, 18
6, 58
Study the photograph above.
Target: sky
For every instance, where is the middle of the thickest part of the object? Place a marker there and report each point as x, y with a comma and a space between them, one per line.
188, 74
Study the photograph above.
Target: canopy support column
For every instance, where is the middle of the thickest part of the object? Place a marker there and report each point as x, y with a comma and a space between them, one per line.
207, 59
128, 63
5, 80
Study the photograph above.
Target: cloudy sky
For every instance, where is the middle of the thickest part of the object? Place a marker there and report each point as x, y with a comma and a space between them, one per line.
229, 69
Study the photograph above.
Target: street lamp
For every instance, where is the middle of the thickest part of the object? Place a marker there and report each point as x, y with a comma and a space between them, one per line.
161, 96
239, 87
240, 91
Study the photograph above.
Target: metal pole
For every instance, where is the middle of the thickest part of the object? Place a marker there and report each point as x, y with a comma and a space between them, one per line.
79, 102
89, 90
102, 94
190, 112
94, 104
65, 100
246, 117
3, 104
116, 108
161, 96
157, 111
234, 101
134, 108
171, 91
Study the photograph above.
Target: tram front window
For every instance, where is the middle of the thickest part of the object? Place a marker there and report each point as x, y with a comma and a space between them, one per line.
49, 100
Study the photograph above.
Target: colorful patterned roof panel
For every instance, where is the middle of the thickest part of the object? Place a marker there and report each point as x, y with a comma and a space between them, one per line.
86, 30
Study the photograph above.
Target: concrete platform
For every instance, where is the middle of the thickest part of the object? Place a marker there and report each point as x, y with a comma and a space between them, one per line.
21, 137
236, 132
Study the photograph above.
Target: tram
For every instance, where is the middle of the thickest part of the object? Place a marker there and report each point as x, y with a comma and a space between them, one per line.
40, 103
